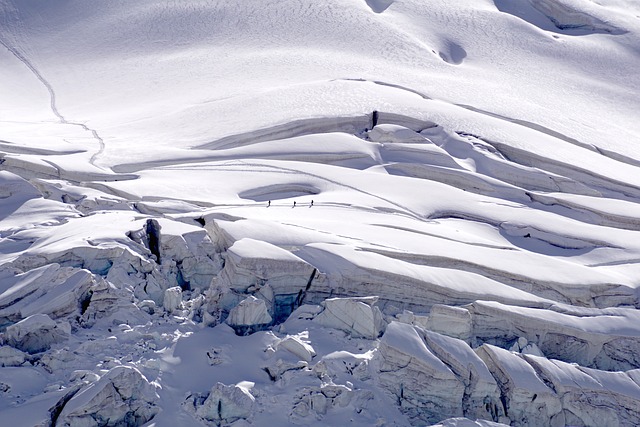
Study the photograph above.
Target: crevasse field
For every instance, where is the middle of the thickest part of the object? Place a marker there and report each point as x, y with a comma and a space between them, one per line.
337, 213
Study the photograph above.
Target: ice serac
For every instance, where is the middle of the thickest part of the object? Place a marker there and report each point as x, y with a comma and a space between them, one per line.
103, 301
193, 257
343, 366
189, 260
122, 397
36, 333
451, 321
251, 265
250, 315
607, 339
527, 399
589, 396
152, 153
224, 404
359, 317
52, 290
481, 397
425, 388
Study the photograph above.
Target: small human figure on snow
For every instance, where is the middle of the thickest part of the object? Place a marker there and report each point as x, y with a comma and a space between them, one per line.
269, 203
311, 204
294, 203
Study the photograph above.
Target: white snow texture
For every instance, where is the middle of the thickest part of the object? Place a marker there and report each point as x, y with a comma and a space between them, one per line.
292, 212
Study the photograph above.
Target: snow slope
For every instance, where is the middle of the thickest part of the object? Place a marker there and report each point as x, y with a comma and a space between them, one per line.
198, 198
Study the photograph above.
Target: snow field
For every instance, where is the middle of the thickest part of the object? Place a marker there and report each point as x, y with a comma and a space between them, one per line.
367, 212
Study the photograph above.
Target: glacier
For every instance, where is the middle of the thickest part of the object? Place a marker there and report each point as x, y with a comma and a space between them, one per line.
363, 212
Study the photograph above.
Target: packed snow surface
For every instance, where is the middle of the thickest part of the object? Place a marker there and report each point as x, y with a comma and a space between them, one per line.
303, 213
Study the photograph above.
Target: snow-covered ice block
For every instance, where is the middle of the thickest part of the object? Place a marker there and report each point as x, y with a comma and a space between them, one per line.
427, 390
251, 313
147, 305
172, 299
411, 318
224, 404
264, 270
357, 316
10, 356
251, 261
278, 366
61, 358
104, 300
607, 339
528, 400
481, 398
193, 252
52, 290
590, 396
342, 366
451, 321
525, 347
320, 400
122, 397
36, 333
288, 354
297, 347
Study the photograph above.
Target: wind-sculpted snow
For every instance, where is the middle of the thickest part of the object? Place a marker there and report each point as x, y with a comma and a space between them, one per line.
370, 212
564, 16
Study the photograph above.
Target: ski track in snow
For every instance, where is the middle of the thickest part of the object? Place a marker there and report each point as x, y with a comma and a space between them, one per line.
52, 100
